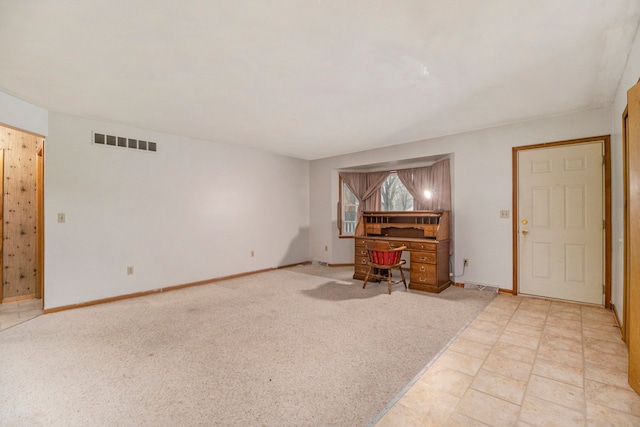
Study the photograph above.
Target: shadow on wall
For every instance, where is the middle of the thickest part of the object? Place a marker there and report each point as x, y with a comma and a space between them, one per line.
298, 250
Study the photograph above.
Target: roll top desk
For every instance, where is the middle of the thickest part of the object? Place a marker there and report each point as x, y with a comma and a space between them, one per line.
424, 233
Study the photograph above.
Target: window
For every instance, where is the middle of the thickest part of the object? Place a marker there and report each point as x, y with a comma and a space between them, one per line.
349, 210
394, 197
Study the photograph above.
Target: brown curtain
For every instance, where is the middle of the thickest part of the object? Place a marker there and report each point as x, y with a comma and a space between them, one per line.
435, 178
366, 188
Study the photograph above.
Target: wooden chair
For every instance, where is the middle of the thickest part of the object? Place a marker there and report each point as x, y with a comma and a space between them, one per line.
382, 257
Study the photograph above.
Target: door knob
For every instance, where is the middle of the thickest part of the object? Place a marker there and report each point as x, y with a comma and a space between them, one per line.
525, 232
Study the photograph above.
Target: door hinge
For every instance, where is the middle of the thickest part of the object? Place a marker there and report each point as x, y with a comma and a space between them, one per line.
602, 289
604, 224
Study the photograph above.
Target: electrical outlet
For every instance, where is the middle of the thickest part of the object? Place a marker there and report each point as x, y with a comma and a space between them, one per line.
465, 262
504, 214
129, 270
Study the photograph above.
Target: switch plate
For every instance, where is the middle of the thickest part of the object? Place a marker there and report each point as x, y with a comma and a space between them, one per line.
129, 270
504, 214
61, 218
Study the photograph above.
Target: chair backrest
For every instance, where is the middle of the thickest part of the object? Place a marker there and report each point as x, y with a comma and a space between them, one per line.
381, 253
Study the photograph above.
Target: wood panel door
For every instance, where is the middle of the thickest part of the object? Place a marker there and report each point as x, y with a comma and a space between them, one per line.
633, 236
560, 215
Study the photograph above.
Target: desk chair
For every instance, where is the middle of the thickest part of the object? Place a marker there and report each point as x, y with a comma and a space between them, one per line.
382, 257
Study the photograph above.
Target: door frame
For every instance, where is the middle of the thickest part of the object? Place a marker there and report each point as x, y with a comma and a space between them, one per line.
606, 140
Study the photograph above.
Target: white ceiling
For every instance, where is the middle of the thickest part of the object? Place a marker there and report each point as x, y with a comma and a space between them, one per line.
315, 78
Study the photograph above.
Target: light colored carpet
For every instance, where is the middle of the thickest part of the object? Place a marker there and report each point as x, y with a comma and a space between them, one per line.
299, 346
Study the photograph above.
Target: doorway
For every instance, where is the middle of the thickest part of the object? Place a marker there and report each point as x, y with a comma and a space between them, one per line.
561, 222
22, 216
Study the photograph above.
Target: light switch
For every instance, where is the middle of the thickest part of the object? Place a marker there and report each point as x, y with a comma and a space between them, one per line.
61, 217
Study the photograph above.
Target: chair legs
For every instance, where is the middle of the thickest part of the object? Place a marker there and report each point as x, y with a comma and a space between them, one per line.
389, 278
366, 278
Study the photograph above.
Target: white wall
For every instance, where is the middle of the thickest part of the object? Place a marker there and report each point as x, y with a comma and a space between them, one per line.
481, 188
192, 211
629, 78
16, 113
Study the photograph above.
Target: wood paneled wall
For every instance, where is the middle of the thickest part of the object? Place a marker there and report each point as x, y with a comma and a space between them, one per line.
19, 214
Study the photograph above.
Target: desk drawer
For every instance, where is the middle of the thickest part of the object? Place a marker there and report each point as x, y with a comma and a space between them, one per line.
424, 246
424, 273
359, 241
361, 261
361, 251
361, 269
423, 257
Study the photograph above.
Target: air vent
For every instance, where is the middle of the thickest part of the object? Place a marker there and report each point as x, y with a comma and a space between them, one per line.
120, 141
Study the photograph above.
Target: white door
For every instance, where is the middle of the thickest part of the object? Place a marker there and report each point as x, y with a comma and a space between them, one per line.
560, 217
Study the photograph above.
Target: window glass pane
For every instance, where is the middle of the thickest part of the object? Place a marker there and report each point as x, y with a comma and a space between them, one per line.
395, 196
349, 211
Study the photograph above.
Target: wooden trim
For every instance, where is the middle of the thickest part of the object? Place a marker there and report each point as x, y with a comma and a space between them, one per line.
505, 291
606, 139
340, 265
625, 235
160, 290
40, 220
18, 298
1, 222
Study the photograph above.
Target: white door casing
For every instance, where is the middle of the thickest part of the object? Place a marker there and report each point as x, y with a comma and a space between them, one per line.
560, 222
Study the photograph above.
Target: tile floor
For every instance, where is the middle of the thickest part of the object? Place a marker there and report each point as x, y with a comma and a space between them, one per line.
521, 362
526, 362
12, 313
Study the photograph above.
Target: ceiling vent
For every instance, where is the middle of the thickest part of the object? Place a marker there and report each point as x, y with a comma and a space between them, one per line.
120, 141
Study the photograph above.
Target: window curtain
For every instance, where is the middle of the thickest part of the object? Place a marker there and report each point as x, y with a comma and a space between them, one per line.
435, 178
366, 188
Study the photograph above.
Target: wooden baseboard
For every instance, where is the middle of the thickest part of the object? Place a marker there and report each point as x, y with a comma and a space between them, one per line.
340, 265
167, 289
18, 298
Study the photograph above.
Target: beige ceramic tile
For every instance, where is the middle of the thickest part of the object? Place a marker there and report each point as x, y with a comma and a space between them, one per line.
573, 344
612, 334
605, 346
429, 402
565, 328
494, 318
602, 326
606, 375
602, 416
526, 319
559, 372
471, 348
613, 397
458, 362
482, 337
612, 361
564, 315
521, 340
459, 420
565, 357
528, 330
400, 415
557, 306
491, 327
538, 412
515, 352
507, 367
488, 409
447, 380
505, 388
556, 392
